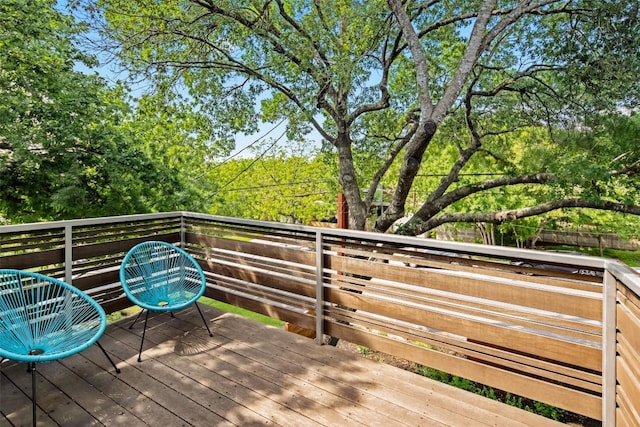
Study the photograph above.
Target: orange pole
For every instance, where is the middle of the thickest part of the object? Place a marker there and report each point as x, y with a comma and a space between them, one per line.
343, 211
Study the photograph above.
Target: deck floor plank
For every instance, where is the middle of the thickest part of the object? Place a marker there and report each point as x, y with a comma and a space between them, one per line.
275, 377
15, 401
155, 382
117, 403
247, 374
352, 397
51, 396
434, 405
213, 365
203, 387
218, 370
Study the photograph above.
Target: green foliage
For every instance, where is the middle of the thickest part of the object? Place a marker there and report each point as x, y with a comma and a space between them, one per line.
275, 188
58, 147
434, 374
601, 50
177, 142
363, 350
548, 411
630, 258
72, 146
462, 383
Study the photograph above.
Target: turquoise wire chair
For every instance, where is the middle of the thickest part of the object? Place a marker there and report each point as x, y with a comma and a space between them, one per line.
43, 319
158, 276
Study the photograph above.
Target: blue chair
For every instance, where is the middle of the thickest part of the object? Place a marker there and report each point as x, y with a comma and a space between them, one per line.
43, 319
158, 276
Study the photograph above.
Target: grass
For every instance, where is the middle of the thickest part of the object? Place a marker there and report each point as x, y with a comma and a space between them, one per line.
117, 315
630, 258
134, 310
242, 312
363, 350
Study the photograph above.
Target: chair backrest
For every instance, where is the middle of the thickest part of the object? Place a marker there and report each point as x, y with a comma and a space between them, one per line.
159, 276
44, 319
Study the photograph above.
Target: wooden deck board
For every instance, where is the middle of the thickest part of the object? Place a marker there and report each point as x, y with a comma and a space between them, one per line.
246, 374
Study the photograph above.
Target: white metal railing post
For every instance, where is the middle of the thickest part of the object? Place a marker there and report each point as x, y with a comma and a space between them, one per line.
319, 289
182, 227
609, 351
68, 253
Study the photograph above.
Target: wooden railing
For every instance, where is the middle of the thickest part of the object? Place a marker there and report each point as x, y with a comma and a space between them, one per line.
86, 253
622, 347
555, 328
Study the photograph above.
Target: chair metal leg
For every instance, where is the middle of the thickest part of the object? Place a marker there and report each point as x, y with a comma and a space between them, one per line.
203, 320
144, 331
108, 357
136, 319
32, 368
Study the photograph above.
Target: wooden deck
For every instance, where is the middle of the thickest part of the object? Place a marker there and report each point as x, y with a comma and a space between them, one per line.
247, 374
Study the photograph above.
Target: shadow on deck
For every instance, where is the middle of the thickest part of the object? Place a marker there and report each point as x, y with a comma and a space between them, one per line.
247, 374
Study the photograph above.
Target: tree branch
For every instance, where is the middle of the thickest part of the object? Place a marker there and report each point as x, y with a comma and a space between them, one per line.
419, 58
428, 210
387, 164
498, 217
476, 45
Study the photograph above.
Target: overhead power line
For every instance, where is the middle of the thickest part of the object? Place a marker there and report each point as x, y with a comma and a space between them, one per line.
248, 166
228, 159
431, 175
284, 184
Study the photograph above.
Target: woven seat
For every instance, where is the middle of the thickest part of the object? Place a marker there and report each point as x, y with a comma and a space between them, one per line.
43, 319
158, 276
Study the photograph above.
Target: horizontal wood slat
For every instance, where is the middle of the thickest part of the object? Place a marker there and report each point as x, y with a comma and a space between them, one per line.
573, 400
532, 329
32, 259
582, 304
495, 356
263, 307
115, 231
628, 393
628, 359
292, 255
478, 328
628, 326
120, 246
542, 319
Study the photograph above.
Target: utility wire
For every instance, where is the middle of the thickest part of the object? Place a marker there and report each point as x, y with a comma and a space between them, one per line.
252, 144
284, 184
431, 175
248, 166
228, 159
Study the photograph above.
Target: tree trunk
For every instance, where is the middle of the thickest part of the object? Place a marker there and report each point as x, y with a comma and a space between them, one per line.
349, 182
408, 172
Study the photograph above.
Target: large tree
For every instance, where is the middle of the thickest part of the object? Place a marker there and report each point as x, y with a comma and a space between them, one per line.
382, 82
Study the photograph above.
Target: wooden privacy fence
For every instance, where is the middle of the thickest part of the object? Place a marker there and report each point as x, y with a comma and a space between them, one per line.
468, 313
622, 349
550, 327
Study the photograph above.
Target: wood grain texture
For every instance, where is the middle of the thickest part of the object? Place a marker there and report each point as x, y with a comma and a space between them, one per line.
247, 374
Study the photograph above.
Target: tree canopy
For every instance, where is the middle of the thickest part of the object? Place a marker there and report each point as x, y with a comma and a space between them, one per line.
73, 146
498, 96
